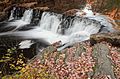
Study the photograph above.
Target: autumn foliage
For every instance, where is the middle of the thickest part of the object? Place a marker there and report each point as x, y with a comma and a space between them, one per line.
72, 63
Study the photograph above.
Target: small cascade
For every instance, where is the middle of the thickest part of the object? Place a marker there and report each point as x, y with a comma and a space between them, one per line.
104, 20
27, 16
52, 27
82, 24
12, 13
26, 19
65, 23
50, 21
16, 13
37, 14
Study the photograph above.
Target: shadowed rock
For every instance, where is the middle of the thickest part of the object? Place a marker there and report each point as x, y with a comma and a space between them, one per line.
3, 16
28, 5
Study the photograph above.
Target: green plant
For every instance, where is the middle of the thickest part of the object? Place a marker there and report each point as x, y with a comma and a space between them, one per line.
11, 62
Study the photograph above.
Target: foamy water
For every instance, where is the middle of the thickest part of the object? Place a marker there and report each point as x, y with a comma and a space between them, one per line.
53, 28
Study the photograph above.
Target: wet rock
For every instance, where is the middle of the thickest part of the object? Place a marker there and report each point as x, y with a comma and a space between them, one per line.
113, 38
71, 12
42, 8
2, 4
28, 5
57, 6
3, 16
9, 8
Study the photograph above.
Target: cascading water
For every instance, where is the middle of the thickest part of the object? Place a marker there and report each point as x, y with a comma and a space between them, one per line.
27, 16
104, 20
83, 24
11, 15
50, 21
26, 19
53, 27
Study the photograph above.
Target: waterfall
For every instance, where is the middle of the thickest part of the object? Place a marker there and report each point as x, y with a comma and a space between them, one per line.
27, 16
84, 24
50, 21
104, 20
53, 27
26, 19
11, 15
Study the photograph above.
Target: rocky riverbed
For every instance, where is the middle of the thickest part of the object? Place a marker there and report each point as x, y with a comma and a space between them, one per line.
96, 58
81, 61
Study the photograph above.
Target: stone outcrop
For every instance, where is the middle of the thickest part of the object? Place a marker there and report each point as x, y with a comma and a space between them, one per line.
53, 4
28, 5
59, 6
42, 8
103, 64
113, 38
3, 16
71, 12
100, 53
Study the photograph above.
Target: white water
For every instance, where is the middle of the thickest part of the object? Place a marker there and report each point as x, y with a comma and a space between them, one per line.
104, 20
49, 28
50, 22
26, 19
27, 16
11, 16
25, 44
83, 25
